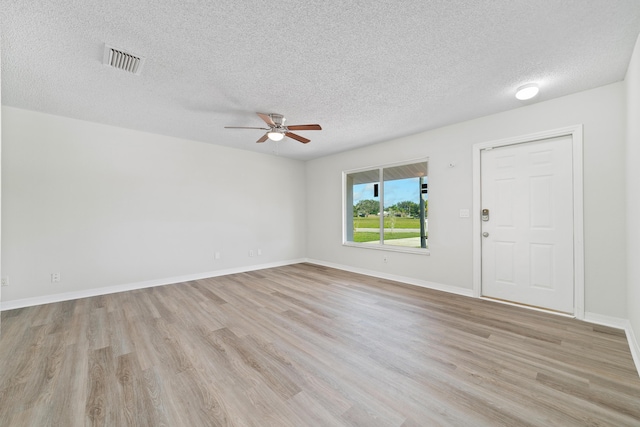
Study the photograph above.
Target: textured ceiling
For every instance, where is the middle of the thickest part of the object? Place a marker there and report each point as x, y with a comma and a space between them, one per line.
367, 71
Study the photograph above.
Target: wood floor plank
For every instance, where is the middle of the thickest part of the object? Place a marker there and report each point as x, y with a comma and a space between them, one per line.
307, 345
70, 390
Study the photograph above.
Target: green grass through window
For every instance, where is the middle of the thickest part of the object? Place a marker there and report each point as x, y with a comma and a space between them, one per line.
389, 222
366, 236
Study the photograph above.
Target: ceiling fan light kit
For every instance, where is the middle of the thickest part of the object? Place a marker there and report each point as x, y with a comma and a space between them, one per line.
277, 130
275, 136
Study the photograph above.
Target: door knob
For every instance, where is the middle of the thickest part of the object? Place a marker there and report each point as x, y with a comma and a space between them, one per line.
485, 234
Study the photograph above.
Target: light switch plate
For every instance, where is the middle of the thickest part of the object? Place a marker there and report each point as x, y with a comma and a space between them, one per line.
464, 213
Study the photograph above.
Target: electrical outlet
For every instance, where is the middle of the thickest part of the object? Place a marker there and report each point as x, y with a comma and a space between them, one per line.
5, 281
251, 252
55, 277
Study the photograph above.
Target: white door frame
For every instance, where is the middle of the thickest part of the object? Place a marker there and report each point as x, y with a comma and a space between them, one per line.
578, 202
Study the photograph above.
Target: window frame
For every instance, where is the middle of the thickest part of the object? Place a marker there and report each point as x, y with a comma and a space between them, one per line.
347, 208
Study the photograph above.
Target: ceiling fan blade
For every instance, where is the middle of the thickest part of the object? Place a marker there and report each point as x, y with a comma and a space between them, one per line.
304, 127
297, 137
266, 119
243, 127
264, 138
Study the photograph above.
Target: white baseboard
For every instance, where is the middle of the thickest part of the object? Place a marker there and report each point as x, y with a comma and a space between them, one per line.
601, 319
633, 345
47, 299
402, 279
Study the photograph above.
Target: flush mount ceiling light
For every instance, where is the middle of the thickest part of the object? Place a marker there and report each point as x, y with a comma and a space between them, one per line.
527, 91
275, 136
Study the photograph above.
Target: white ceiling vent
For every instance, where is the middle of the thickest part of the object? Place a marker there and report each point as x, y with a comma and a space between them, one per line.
118, 58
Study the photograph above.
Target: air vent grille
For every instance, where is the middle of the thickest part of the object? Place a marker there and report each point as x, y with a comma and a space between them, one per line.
118, 58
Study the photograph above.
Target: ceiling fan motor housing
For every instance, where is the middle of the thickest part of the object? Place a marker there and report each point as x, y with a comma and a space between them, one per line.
278, 119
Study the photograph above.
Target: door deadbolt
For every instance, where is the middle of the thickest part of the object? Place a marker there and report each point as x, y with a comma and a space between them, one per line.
485, 214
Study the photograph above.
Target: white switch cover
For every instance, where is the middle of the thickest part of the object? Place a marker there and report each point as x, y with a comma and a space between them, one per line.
464, 213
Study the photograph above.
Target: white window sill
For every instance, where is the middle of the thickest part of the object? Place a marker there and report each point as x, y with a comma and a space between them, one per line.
389, 248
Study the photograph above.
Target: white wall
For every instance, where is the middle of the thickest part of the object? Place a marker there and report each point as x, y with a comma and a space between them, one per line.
601, 111
633, 194
107, 206
1, 174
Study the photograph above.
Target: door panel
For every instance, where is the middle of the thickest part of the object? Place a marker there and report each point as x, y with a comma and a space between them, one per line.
505, 268
541, 271
527, 254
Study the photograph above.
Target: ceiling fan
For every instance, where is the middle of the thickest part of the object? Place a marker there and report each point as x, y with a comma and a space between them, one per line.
277, 130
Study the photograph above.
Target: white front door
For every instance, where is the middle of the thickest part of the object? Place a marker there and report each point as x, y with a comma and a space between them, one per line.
527, 243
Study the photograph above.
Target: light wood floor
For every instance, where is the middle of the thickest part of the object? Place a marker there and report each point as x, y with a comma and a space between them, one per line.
305, 345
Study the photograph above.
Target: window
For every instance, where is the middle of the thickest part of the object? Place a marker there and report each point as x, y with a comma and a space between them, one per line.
387, 207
